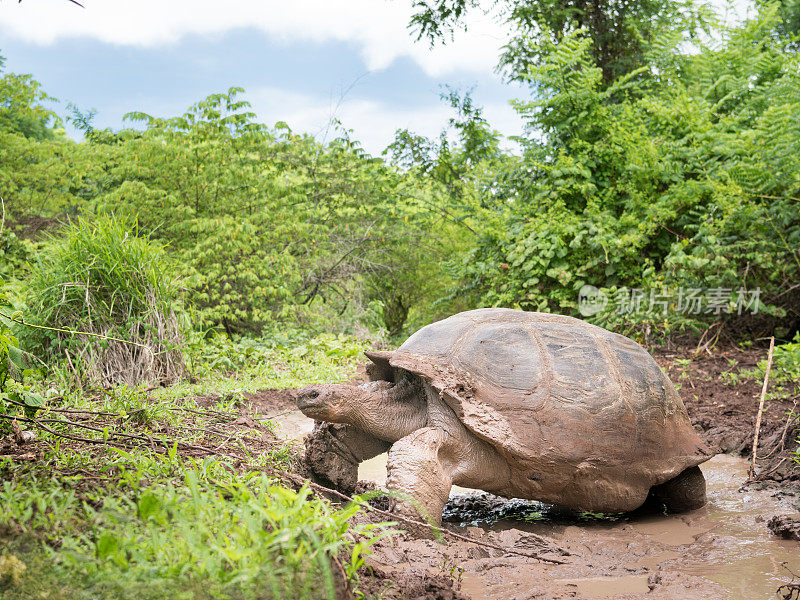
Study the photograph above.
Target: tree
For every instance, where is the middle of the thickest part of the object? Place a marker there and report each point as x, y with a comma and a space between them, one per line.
622, 31
21, 107
270, 226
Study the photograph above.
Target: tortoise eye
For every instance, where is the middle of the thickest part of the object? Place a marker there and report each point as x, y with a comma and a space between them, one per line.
313, 394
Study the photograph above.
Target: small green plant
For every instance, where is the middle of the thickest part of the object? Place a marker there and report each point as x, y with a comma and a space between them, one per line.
450, 569
731, 377
785, 362
683, 363
785, 371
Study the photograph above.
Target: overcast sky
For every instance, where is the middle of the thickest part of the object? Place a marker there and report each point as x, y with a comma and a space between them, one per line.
302, 61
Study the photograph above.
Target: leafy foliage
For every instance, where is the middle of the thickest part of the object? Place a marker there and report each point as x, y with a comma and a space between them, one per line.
686, 178
269, 226
202, 528
644, 166
13, 366
620, 33
21, 109
785, 364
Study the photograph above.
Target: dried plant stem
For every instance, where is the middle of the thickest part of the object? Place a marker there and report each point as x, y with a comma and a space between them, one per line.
396, 517
74, 371
125, 440
789, 419
752, 473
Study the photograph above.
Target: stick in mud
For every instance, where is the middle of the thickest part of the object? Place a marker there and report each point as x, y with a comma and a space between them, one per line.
396, 517
752, 473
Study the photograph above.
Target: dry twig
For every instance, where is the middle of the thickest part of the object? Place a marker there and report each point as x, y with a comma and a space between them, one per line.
752, 473
395, 517
782, 442
127, 440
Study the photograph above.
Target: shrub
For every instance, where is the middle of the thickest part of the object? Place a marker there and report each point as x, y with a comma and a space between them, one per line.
678, 178
118, 289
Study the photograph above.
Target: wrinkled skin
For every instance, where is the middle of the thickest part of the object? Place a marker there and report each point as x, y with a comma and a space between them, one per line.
431, 450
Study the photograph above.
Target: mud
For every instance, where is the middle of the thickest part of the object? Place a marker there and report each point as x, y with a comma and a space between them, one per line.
722, 551
730, 549
724, 411
785, 526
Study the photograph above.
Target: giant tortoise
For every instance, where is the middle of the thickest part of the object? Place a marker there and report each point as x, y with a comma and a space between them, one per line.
519, 404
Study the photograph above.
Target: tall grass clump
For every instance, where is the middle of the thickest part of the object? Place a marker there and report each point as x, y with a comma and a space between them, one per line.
98, 277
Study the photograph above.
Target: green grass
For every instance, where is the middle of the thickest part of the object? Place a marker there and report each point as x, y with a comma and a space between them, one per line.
160, 520
98, 277
224, 367
202, 525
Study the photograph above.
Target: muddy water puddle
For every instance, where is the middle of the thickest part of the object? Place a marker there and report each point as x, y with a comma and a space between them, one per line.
721, 551
291, 424
745, 557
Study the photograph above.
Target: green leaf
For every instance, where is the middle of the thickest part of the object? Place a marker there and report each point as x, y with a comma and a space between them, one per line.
107, 543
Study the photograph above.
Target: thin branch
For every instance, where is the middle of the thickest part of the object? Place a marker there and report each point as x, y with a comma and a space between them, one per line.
397, 517
147, 440
752, 473
73, 332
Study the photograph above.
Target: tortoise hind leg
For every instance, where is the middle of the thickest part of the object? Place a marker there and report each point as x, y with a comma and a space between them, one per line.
685, 492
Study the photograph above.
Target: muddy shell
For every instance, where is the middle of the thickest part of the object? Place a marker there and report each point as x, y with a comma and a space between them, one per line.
586, 413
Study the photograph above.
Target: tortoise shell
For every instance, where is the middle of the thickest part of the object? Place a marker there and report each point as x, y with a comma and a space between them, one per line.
564, 400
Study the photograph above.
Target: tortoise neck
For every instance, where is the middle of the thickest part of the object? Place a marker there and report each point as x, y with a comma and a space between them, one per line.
386, 414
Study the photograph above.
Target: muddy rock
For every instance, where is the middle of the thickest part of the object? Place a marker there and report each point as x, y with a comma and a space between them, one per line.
785, 526
412, 584
330, 468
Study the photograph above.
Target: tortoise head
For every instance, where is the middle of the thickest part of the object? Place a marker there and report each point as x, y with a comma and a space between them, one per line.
330, 402
376, 407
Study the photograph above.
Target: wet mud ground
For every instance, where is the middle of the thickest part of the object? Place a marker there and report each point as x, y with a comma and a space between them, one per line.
724, 550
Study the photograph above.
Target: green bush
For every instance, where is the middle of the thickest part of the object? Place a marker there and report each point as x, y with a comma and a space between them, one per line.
107, 301
785, 364
683, 174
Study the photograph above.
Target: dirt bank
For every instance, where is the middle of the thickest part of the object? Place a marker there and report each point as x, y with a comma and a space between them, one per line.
723, 408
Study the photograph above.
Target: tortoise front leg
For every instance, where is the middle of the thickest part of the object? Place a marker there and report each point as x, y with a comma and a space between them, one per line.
415, 470
334, 451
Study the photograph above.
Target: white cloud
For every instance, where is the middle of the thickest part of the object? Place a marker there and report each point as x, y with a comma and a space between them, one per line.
373, 123
377, 27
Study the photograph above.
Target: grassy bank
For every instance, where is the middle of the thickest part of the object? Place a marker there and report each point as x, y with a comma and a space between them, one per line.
136, 493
